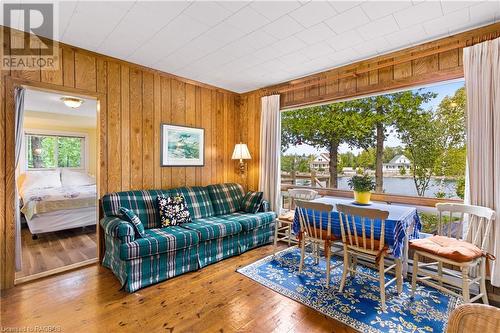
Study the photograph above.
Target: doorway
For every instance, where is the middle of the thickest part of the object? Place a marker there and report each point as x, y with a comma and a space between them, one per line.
56, 184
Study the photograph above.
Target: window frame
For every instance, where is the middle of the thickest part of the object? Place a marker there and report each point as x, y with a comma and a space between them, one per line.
57, 133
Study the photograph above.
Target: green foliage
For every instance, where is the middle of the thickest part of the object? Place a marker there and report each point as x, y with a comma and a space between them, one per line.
361, 183
69, 152
402, 171
53, 151
296, 163
460, 187
391, 152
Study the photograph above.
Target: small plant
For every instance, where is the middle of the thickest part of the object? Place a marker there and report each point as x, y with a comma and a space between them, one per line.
361, 183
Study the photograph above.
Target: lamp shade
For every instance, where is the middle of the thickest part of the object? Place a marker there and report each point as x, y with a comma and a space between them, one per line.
241, 152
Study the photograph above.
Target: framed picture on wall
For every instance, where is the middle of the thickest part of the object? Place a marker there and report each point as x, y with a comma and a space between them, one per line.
182, 146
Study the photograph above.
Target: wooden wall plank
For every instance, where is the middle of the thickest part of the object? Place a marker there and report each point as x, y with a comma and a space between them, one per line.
178, 118
206, 123
147, 131
190, 121
198, 123
219, 148
54, 76
114, 128
125, 126
166, 118
68, 66
156, 130
85, 71
135, 129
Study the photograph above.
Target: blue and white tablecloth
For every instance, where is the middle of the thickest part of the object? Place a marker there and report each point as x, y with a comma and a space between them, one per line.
401, 220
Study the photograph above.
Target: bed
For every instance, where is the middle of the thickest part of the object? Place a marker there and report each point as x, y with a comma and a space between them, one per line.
50, 204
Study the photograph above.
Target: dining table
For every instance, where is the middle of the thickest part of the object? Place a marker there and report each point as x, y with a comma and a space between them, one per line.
402, 225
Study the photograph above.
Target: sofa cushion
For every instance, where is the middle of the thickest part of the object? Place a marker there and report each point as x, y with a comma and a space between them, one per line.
213, 227
142, 203
251, 221
130, 216
226, 198
197, 200
173, 210
251, 202
159, 240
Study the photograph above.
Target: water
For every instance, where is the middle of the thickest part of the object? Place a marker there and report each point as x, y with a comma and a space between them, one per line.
403, 186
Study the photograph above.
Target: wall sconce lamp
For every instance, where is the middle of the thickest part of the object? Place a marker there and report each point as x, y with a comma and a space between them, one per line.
241, 153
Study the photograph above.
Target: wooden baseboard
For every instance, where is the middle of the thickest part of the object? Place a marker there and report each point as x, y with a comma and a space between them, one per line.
55, 271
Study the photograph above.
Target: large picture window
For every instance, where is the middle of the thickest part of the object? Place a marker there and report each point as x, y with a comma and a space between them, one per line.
47, 151
411, 142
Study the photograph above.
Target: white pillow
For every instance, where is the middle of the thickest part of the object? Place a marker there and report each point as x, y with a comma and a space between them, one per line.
76, 178
42, 179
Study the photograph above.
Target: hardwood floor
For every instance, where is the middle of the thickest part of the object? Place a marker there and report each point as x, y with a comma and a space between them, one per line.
56, 249
213, 299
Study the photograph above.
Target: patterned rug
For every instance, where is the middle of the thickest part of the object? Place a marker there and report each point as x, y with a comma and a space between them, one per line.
358, 306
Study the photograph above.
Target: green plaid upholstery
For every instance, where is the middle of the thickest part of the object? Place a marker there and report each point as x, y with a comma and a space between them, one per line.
226, 198
118, 228
197, 200
213, 227
251, 221
161, 240
256, 237
129, 216
215, 250
251, 202
142, 203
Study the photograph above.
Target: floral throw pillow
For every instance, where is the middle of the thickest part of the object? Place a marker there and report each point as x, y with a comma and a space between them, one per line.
173, 210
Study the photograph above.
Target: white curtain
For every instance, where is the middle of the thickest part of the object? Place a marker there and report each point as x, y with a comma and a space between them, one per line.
482, 83
19, 119
270, 148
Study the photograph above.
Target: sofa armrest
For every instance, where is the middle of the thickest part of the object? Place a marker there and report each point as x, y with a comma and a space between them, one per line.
264, 206
118, 228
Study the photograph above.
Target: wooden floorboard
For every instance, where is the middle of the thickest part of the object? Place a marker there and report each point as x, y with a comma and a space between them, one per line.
54, 250
213, 299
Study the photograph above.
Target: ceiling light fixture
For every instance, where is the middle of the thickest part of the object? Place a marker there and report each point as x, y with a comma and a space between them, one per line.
72, 102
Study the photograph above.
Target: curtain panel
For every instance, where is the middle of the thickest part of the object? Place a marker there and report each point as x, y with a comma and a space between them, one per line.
482, 83
270, 149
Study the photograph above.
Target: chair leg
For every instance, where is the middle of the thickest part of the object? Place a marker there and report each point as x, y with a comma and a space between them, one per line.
328, 263
346, 266
302, 254
482, 283
354, 265
465, 284
289, 235
399, 275
276, 227
381, 273
414, 275
440, 273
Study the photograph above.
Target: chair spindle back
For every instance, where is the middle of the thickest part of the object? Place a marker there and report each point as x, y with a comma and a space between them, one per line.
311, 218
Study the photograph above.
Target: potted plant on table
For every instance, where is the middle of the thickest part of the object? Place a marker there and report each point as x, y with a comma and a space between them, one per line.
362, 185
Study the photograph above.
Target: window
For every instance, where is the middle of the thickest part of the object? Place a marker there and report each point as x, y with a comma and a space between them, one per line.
411, 142
46, 151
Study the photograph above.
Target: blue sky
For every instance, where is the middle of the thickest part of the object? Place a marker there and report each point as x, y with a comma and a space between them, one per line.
441, 89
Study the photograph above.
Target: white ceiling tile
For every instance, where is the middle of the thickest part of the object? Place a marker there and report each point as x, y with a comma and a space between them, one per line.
66, 9
275, 9
318, 50
258, 39
442, 25
378, 9
348, 20
345, 40
344, 56
288, 45
450, 6
247, 20
283, 27
224, 32
378, 28
407, 36
484, 12
424, 11
342, 6
372, 47
315, 34
238, 48
313, 13
207, 12
233, 6
294, 59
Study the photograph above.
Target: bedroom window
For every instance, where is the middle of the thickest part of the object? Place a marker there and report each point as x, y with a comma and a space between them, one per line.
54, 151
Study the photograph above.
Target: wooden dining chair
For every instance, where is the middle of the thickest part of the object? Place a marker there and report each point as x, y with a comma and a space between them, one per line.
283, 231
313, 216
450, 246
358, 236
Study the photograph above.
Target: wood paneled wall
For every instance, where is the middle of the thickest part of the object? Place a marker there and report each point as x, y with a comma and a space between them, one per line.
428, 63
134, 101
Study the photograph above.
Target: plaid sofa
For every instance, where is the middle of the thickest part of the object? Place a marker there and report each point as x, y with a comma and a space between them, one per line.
219, 230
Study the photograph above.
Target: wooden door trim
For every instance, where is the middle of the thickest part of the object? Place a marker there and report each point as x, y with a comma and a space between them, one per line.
7, 226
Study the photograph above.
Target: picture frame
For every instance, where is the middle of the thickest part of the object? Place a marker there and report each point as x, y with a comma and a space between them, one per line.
182, 146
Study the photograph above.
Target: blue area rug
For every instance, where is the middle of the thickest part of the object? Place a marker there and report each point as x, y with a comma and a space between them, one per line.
358, 306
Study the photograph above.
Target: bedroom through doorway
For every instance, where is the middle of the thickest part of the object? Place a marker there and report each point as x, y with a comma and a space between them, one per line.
56, 184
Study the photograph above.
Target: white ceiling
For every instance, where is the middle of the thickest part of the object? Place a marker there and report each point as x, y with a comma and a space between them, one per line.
39, 101
242, 45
